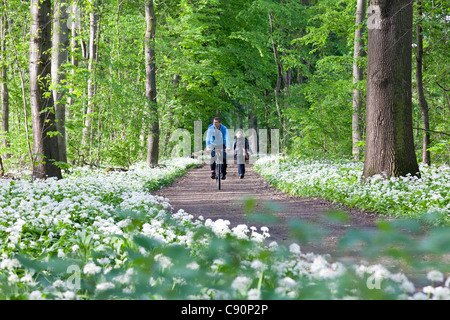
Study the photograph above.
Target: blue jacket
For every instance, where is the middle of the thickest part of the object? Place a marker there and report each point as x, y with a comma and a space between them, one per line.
211, 137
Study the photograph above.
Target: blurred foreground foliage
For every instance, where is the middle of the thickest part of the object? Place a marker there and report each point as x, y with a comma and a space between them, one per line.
391, 260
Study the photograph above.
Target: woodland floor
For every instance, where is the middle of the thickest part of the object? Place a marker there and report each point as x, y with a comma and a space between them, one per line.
197, 194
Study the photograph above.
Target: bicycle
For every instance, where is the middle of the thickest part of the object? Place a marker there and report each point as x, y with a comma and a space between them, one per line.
218, 167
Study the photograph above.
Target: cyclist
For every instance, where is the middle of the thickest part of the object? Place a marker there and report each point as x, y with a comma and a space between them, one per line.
217, 138
241, 151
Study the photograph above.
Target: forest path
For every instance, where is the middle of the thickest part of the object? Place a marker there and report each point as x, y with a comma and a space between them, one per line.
197, 194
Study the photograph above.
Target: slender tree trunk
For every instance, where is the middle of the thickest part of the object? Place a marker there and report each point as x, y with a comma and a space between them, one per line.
45, 144
357, 77
87, 131
240, 116
59, 56
172, 120
22, 85
280, 79
278, 64
150, 84
266, 118
426, 159
74, 62
4, 83
99, 136
389, 134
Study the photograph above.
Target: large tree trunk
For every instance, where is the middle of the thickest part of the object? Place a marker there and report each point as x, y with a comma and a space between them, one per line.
389, 135
4, 83
357, 77
45, 144
426, 159
150, 84
59, 56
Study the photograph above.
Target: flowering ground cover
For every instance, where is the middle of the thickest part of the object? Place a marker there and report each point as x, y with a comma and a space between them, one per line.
97, 235
426, 198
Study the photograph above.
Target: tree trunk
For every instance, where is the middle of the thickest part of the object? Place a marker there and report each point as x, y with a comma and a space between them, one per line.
22, 86
74, 61
4, 83
87, 130
170, 114
150, 84
426, 159
357, 77
389, 134
59, 56
45, 143
280, 79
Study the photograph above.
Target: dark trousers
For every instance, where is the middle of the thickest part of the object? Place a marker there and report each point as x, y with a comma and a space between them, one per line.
223, 168
241, 169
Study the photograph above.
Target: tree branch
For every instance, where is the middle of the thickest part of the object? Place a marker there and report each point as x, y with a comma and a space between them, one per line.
442, 87
440, 132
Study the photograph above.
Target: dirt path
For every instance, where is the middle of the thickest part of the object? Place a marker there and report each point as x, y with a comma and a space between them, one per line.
197, 194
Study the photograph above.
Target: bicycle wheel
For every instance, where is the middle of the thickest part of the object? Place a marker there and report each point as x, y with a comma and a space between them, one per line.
218, 173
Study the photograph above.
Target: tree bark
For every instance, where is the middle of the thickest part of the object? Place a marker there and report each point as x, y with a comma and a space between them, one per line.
4, 83
389, 134
357, 77
150, 84
45, 144
426, 156
59, 56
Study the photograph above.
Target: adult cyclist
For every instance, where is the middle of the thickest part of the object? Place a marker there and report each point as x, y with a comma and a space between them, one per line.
217, 139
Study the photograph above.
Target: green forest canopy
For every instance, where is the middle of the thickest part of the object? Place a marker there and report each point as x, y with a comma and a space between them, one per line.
257, 63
